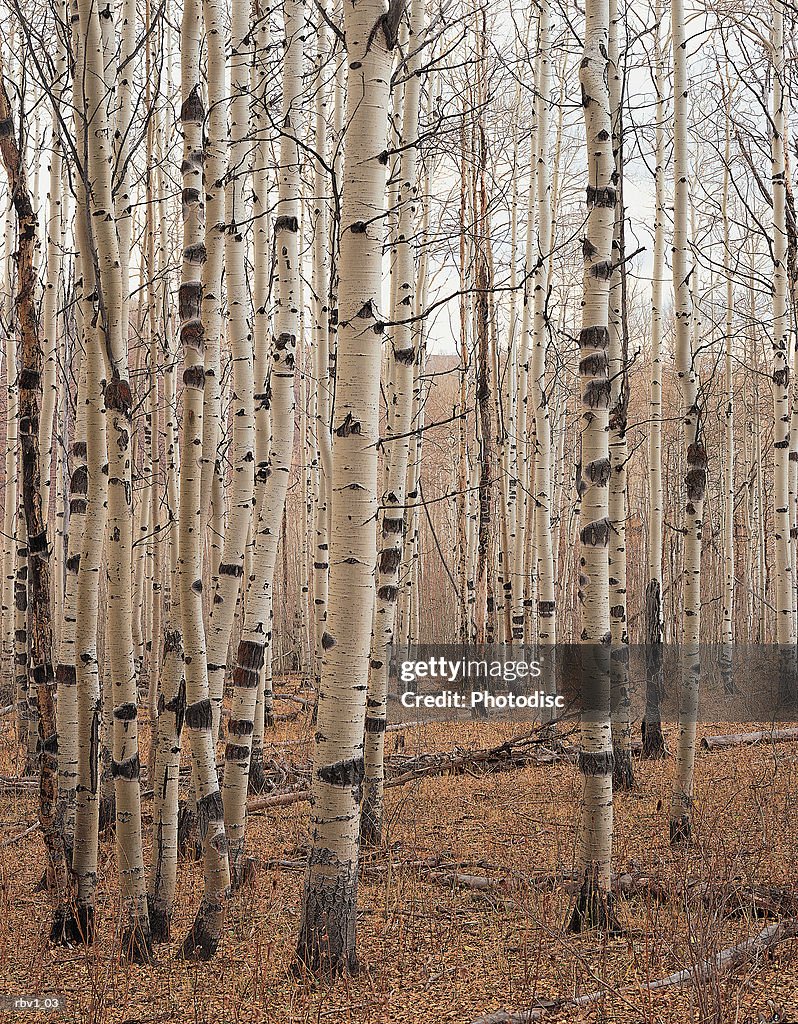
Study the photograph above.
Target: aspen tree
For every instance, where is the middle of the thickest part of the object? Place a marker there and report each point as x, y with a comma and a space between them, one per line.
510, 396
542, 496
166, 767
696, 457
171, 705
50, 302
256, 636
412, 550
112, 287
321, 354
154, 541
262, 263
327, 931
27, 719
623, 775
203, 938
212, 486
287, 325
783, 584
463, 493
10, 500
66, 672
141, 450
89, 552
594, 902
484, 604
262, 241
729, 581
391, 523
653, 740
522, 448
39, 643
231, 567
120, 125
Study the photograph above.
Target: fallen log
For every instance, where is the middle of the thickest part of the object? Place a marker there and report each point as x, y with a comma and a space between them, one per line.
727, 960
511, 752
747, 739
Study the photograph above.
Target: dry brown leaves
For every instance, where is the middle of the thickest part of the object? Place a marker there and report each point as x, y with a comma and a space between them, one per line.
432, 952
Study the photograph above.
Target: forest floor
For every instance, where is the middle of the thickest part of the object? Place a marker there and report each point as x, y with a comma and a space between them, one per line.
432, 951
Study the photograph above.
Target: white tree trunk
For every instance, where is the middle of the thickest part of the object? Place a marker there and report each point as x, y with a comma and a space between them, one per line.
391, 523
327, 931
542, 495
623, 775
89, 553
783, 583
321, 358
204, 936
653, 741
696, 458
112, 289
231, 567
593, 907
256, 637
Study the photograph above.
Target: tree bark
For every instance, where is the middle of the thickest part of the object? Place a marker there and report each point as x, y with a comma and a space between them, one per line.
327, 931
203, 938
391, 524
39, 646
593, 907
696, 457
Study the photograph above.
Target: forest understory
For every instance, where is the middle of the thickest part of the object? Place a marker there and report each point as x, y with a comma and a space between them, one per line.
461, 910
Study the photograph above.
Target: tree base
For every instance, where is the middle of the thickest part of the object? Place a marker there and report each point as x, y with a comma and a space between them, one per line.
654, 748
64, 928
203, 940
682, 832
623, 775
160, 922
310, 964
327, 944
137, 941
594, 911
81, 925
243, 873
